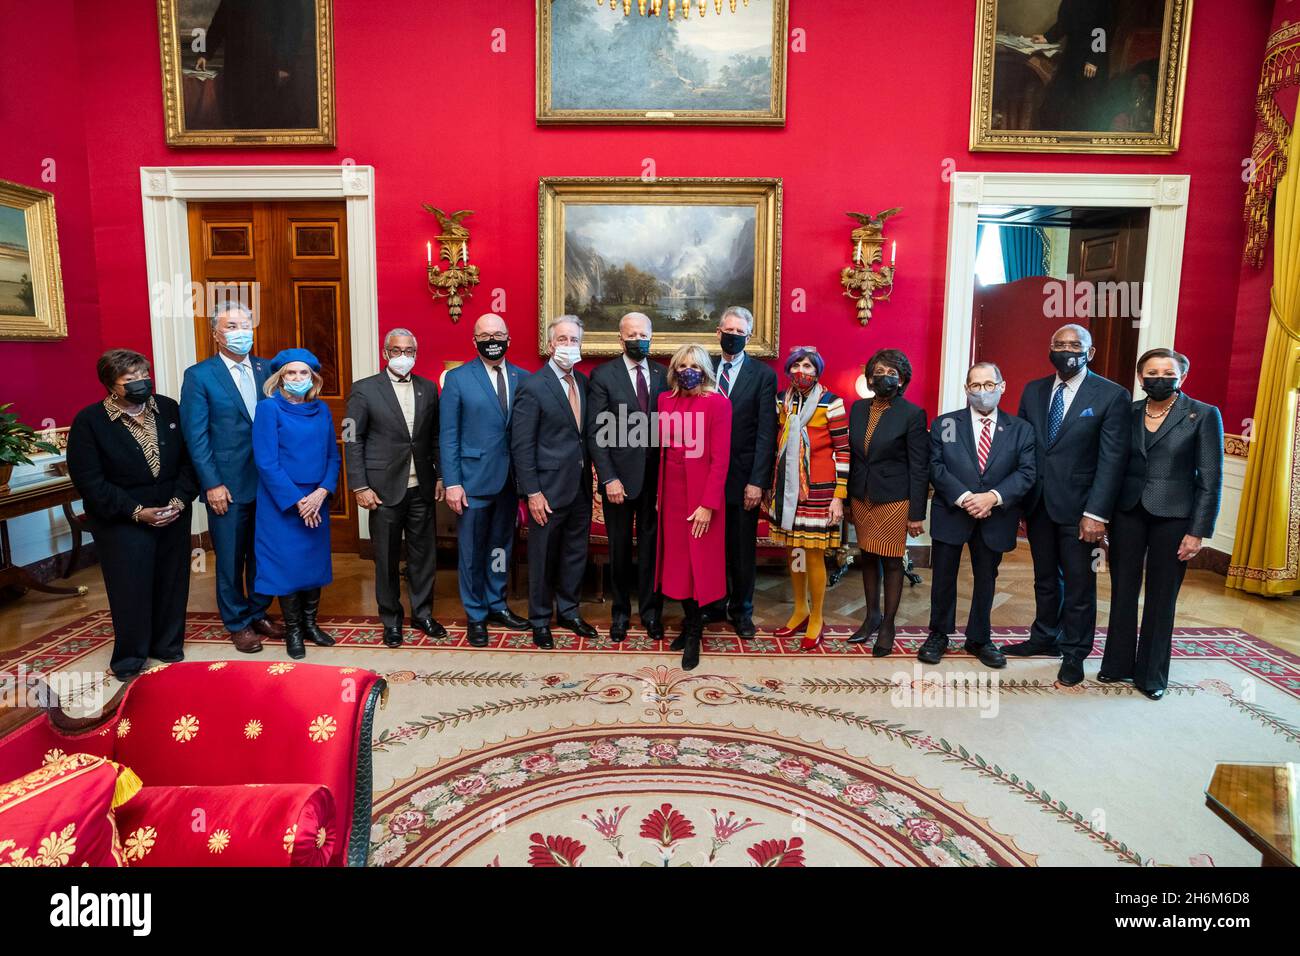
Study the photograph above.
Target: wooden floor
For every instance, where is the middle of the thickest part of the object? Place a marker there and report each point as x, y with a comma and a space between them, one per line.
1204, 602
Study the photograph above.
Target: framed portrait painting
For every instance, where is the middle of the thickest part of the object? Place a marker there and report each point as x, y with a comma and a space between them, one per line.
1079, 76
617, 65
247, 72
678, 250
31, 281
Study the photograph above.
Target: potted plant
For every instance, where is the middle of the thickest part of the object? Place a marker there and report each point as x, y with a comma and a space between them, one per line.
17, 441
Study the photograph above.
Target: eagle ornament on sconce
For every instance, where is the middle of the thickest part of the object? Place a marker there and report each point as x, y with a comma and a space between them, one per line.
869, 280
459, 278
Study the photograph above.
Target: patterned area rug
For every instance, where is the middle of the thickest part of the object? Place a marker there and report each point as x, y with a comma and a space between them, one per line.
596, 754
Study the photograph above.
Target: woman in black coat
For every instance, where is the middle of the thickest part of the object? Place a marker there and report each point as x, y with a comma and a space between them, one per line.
1167, 507
888, 484
128, 461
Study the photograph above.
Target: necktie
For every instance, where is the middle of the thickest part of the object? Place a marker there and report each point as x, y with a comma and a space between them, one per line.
247, 390
574, 404
986, 441
1056, 414
501, 392
642, 390
725, 381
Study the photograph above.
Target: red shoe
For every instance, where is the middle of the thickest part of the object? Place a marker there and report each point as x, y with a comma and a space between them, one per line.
809, 643
791, 631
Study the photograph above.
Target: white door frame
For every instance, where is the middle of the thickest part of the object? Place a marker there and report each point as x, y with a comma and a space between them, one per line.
1165, 196
165, 192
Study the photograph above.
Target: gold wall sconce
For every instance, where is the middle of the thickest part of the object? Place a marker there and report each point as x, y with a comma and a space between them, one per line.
869, 280
459, 278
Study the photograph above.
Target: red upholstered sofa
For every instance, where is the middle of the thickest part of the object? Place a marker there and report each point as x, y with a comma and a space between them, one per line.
275, 756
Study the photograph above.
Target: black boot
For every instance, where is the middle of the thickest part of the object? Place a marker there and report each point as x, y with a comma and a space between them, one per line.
310, 604
692, 634
291, 609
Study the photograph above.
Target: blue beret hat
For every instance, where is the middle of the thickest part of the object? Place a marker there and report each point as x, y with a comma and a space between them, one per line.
294, 355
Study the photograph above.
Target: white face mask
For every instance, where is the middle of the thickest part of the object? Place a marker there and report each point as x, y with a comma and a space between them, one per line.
567, 356
401, 365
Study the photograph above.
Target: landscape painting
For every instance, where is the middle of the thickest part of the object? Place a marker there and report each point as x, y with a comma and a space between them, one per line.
31, 284
594, 67
679, 251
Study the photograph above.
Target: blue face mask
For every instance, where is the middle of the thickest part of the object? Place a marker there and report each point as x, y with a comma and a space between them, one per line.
297, 388
689, 378
240, 341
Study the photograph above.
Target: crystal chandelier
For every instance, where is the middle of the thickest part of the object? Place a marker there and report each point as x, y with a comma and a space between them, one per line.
654, 6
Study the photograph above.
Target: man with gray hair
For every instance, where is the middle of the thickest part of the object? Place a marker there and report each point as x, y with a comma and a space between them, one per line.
1081, 434
219, 399
391, 441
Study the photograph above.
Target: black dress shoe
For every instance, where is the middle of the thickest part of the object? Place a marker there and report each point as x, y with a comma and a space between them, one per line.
868, 627
989, 654
508, 618
1031, 648
1107, 679
392, 636
542, 638
577, 625
884, 641
477, 633
714, 615
1071, 673
1152, 694
932, 651
618, 633
429, 626
654, 630
744, 628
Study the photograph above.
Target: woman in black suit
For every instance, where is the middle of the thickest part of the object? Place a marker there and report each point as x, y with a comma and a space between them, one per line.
888, 476
128, 461
1167, 506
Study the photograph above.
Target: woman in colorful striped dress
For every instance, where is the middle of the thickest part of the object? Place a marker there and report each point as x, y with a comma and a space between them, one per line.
806, 502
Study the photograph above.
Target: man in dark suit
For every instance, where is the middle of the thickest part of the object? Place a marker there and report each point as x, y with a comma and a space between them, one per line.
751, 387
553, 468
1081, 433
624, 395
392, 461
474, 452
219, 399
982, 464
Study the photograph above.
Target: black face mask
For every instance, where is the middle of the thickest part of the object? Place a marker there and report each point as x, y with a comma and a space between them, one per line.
886, 386
1159, 387
492, 350
732, 343
138, 391
1068, 364
636, 349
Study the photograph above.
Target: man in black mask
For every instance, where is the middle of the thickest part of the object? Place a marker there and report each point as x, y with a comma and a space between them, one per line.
1081, 427
751, 387
624, 394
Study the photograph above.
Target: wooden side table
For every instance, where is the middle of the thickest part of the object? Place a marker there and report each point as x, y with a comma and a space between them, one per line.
1262, 803
38, 496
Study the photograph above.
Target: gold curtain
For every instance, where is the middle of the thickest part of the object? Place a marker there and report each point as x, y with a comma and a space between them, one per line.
1266, 552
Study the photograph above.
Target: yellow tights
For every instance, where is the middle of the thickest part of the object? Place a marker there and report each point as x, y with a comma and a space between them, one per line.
808, 583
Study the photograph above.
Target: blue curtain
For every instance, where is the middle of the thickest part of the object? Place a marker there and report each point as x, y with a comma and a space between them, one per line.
1024, 252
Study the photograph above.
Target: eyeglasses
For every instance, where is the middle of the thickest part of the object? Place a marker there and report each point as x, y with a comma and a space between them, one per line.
983, 387
494, 337
409, 353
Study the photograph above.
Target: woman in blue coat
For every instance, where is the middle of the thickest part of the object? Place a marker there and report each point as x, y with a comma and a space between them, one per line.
297, 462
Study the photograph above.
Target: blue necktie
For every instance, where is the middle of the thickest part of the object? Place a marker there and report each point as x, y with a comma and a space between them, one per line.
726, 379
1056, 414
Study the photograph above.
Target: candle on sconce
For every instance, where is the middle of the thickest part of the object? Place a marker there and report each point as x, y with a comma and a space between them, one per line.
893, 253
429, 251
464, 252
857, 256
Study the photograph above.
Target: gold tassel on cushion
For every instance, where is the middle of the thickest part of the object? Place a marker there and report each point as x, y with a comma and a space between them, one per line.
127, 786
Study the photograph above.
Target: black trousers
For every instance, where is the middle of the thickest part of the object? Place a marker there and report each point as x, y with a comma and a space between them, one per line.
412, 518
147, 579
741, 551
619, 521
557, 558
1065, 585
1140, 541
945, 562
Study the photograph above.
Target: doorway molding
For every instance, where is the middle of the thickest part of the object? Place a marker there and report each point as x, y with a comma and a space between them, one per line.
165, 192
1164, 196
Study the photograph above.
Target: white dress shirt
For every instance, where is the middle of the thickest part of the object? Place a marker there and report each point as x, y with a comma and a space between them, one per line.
643, 365
406, 398
492, 377
977, 424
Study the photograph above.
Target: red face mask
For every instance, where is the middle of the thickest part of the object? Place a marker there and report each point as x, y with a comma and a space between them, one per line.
803, 380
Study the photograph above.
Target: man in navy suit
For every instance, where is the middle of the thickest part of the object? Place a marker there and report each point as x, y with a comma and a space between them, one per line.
1081, 431
219, 399
982, 464
474, 443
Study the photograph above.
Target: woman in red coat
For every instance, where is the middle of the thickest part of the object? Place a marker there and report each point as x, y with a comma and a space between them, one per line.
695, 441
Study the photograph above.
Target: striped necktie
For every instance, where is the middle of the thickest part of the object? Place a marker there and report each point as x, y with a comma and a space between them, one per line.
725, 381
986, 441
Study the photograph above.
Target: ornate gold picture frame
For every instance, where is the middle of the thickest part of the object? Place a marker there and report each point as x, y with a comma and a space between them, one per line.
1055, 76
31, 279
247, 74
679, 250
601, 67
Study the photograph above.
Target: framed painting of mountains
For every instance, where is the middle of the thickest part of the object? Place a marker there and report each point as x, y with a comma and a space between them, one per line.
31, 281
661, 61
247, 72
678, 250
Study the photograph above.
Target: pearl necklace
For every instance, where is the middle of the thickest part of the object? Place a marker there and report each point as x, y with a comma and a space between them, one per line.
1155, 418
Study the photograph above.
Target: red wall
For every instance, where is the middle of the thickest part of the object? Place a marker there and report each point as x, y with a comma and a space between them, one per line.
876, 106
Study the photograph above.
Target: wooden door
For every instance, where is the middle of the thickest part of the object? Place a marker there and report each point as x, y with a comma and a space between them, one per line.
1111, 255
288, 262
